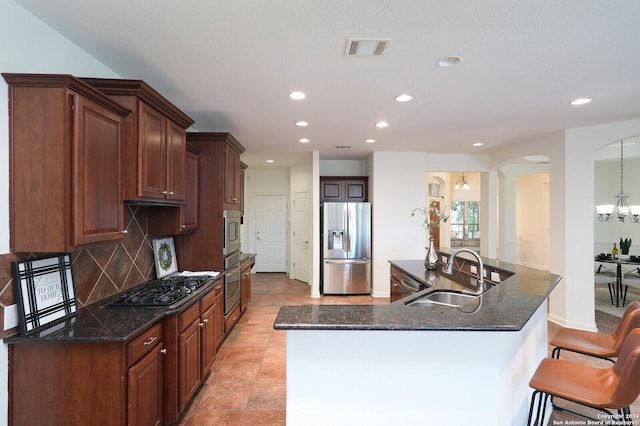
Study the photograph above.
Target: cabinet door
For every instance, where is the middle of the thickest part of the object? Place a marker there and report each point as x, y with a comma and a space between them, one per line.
145, 389
152, 153
189, 213
98, 207
176, 155
232, 176
331, 190
245, 286
219, 318
189, 356
355, 190
208, 339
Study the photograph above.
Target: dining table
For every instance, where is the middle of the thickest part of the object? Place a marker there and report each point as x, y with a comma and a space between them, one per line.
632, 260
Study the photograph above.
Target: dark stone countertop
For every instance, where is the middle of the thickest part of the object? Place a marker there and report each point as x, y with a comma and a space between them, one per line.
504, 307
100, 323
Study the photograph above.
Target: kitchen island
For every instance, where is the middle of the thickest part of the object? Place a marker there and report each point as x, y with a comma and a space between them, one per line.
400, 364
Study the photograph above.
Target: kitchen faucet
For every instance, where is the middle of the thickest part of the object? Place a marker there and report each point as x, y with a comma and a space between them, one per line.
449, 268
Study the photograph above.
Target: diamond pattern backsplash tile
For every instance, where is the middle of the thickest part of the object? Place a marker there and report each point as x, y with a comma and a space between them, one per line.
99, 272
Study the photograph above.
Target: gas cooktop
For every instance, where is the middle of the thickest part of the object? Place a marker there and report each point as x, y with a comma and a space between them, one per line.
161, 292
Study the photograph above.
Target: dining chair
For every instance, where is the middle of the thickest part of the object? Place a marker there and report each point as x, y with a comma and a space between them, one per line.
603, 389
600, 345
630, 278
603, 274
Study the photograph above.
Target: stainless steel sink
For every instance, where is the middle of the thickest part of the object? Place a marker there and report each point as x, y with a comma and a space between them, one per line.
445, 298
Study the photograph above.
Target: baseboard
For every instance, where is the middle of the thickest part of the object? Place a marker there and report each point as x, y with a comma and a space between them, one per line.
571, 324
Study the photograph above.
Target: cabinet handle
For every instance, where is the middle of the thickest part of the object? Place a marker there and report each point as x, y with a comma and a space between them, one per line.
205, 321
163, 351
201, 324
124, 231
170, 192
235, 199
150, 340
183, 226
165, 192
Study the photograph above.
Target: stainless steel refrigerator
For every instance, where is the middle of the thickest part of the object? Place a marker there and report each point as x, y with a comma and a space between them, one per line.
346, 251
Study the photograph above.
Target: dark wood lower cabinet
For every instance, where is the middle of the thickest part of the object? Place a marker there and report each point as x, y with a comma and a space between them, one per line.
145, 390
87, 383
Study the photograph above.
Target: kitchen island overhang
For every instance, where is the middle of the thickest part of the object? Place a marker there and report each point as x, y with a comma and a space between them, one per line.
396, 364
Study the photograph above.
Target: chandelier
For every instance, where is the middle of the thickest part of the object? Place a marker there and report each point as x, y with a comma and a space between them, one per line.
462, 183
621, 208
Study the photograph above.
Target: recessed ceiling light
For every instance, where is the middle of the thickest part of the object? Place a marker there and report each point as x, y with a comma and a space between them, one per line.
449, 61
270, 161
297, 95
302, 123
478, 144
403, 98
303, 140
536, 158
382, 124
580, 101
370, 140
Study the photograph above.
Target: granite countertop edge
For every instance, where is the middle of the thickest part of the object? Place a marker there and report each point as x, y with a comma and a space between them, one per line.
100, 323
507, 306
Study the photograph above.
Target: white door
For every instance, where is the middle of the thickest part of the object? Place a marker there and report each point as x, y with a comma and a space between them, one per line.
301, 237
271, 233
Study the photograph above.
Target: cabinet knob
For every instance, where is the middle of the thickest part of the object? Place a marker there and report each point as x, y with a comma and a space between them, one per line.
201, 324
124, 231
163, 351
205, 321
183, 226
165, 192
170, 192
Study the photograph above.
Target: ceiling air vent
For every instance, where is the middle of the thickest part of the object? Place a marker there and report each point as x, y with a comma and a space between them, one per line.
366, 46
343, 146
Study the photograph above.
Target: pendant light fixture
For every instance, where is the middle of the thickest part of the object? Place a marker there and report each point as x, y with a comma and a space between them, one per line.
462, 183
621, 208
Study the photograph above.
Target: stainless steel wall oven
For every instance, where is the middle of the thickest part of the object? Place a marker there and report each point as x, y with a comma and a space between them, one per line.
231, 282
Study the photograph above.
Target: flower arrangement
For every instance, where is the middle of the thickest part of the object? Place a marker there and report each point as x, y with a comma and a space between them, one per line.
432, 215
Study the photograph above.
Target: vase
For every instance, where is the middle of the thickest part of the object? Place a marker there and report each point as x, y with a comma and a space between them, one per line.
431, 259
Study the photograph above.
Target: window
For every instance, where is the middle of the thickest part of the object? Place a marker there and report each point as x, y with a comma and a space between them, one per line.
465, 219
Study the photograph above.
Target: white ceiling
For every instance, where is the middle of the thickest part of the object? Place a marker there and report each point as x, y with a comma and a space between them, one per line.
231, 64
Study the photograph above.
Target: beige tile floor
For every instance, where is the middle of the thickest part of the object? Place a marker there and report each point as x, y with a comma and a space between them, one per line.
247, 385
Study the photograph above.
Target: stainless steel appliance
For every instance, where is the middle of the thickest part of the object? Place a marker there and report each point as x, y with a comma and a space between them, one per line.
232, 220
346, 240
231, 282
161, 292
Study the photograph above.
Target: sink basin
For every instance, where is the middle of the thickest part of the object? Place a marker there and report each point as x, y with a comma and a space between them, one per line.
445, 298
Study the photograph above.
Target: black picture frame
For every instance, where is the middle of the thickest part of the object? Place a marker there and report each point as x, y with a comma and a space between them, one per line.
45, 291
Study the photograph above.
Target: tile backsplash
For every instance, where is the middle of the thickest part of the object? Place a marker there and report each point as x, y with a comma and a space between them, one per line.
98, 272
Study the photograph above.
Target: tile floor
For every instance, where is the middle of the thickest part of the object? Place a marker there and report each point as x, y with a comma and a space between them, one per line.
247, 385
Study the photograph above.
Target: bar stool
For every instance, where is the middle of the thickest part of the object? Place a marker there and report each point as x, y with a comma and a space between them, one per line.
601, 345
603, 389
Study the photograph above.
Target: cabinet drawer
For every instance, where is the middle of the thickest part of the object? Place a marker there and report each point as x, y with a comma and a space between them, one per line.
396, 274
187, 317
230, 321
207, 300
143, 343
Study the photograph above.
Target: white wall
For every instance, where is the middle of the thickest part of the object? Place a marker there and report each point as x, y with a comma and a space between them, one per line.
397, 183
532, 220
30, 46
263, 182
343, 168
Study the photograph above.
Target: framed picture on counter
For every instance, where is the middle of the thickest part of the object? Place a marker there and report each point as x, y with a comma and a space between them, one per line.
164, 254
44, 291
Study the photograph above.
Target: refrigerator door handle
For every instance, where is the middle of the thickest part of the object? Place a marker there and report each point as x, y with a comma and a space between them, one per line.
346, 261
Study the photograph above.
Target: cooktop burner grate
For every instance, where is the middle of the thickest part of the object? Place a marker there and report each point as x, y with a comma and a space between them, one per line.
160, 292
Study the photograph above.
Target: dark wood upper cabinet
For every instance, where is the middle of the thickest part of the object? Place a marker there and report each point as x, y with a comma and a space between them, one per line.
202, 250
155, 144
232, 194
65, 164
344, 189
174, 221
